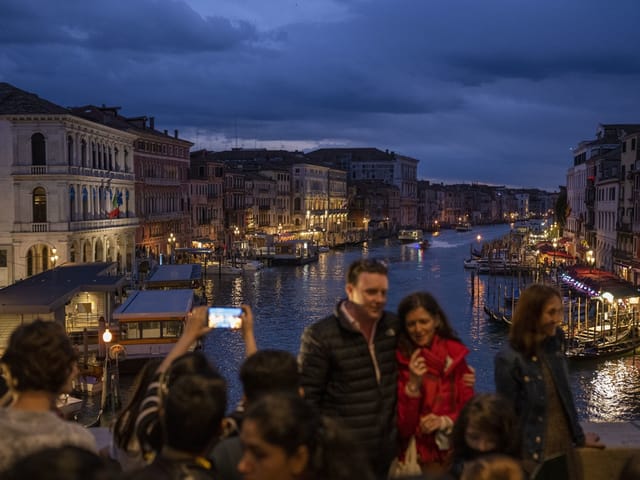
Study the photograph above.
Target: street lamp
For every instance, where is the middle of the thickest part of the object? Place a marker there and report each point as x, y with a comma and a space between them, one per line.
172, 244
54, 257
106, 338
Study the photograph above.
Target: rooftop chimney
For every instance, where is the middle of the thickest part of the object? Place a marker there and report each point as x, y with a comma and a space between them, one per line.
152, 123
175, 133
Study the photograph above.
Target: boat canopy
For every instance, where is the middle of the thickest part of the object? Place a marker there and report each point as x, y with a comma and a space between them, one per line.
155, 304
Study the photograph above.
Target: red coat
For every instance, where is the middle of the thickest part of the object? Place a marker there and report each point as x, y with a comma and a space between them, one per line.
443, 393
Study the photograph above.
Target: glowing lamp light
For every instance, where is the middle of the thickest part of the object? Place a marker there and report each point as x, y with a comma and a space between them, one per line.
107, 336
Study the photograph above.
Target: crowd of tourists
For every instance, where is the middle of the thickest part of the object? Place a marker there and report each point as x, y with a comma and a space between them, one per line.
372, 394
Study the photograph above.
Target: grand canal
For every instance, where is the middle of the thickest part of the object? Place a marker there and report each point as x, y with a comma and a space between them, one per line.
286, 299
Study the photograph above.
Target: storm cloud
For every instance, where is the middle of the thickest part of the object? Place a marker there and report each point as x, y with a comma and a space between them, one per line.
496, 91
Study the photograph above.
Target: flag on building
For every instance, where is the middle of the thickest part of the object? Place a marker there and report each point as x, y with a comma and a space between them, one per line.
115, 210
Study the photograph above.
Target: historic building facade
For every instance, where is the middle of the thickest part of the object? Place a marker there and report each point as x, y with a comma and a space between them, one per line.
68, 186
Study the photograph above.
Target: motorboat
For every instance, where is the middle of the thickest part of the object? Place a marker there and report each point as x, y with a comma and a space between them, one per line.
294, 252
471, 263
463, 227
224, 268
249, 265
69, 406
407, 236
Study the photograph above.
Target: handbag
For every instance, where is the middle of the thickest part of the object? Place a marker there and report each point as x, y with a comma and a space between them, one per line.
408, 466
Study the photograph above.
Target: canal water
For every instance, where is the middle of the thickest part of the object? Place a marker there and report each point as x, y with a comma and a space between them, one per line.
286, 299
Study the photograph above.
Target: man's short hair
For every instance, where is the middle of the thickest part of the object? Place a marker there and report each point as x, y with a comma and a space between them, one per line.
39, 356
365, 265
269, 371
193, 410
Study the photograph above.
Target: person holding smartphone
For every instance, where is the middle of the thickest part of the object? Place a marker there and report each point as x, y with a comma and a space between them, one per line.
181, 361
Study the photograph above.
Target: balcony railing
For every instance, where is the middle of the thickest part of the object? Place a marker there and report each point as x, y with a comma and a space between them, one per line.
103, 223
97, 224
69, 170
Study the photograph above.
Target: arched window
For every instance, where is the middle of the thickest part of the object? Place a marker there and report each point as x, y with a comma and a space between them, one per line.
94, 155
72, 196
69, 150
39, 205
85, 203
29, 263
83, 153
38, 150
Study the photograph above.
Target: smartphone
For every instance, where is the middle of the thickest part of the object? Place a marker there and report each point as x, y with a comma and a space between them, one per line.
225, 317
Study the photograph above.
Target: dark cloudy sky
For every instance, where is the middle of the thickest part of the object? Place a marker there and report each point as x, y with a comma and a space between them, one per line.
495, 91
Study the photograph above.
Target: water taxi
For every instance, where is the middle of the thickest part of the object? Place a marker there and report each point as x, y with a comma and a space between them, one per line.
414, 235
463, 227
294, 252
149, 322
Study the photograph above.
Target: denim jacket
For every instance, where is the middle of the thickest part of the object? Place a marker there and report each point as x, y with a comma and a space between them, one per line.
519, 378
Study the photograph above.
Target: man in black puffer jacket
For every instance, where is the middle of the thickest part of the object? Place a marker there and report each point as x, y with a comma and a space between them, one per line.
348, 364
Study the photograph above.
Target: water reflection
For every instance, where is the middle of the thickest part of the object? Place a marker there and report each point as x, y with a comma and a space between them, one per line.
286, 299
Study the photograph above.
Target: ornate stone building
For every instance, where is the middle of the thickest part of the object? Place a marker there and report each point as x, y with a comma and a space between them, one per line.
68, 188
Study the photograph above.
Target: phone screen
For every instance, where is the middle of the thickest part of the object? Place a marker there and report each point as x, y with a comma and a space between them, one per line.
225, 317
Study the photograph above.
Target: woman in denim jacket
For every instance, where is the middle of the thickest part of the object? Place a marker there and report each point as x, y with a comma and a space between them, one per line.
531, 371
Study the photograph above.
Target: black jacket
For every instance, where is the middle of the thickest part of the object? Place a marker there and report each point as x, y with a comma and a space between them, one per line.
338, 375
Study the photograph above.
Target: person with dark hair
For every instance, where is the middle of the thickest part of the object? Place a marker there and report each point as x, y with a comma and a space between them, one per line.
124, 446
285, 438
39, 364
269, 371
191, 416
486, 424
63, 463
494, 467
531, 372
432, 388
180, 361
264, 372
348, 367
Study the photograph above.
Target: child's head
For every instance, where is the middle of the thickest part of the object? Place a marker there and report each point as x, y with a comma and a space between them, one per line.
493, 467
486, 424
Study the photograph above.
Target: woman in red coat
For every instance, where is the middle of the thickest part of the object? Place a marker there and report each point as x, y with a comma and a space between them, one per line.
432, 388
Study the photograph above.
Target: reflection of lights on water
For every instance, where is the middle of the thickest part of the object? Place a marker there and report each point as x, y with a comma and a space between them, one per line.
612, 383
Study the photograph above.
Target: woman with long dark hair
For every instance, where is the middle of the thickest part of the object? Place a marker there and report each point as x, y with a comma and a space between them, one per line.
431, 385
531, 372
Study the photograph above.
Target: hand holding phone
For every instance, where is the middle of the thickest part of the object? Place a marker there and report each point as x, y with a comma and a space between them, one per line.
224, 317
